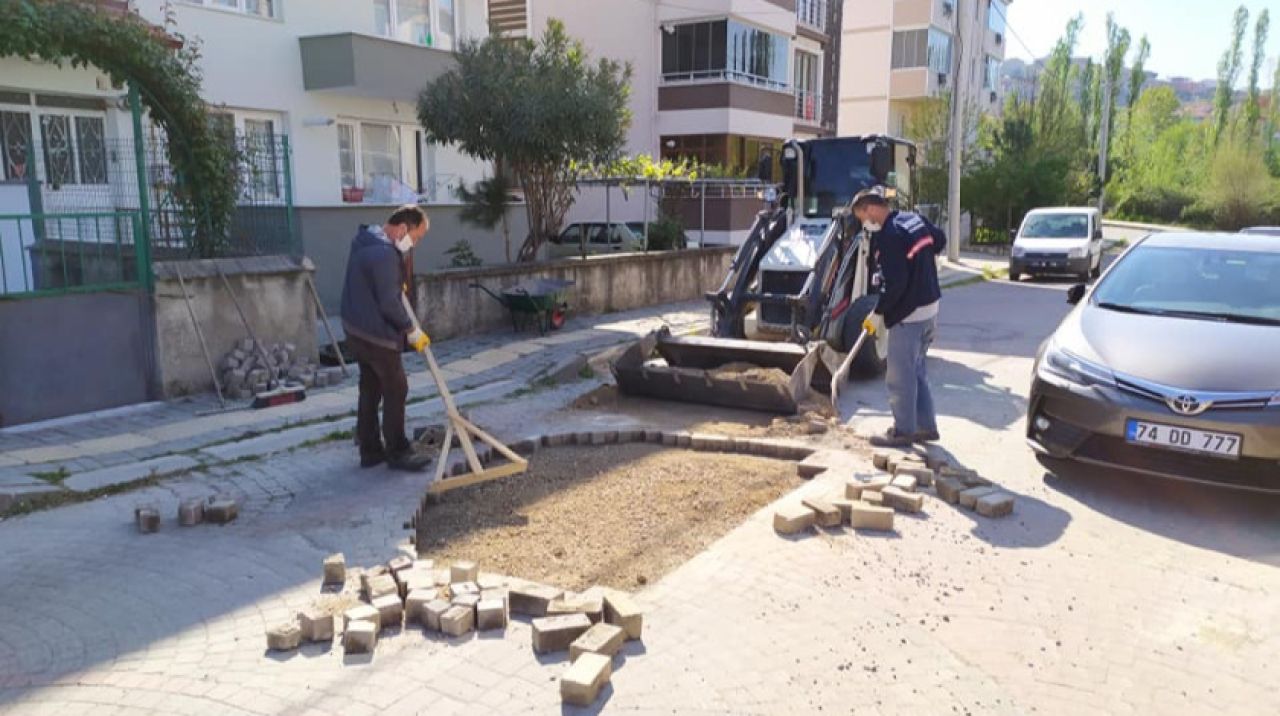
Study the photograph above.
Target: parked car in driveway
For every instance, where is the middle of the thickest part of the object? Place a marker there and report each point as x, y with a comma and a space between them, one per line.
1058, 241
1170, 365
1264, 230
601, 238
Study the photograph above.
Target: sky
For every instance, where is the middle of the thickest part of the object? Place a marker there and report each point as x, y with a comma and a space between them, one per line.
1187, 36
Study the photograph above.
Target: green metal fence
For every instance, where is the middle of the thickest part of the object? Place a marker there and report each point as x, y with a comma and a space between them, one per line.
46, 254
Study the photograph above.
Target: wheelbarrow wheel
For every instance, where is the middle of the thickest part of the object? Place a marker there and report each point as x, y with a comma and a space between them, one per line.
557, 317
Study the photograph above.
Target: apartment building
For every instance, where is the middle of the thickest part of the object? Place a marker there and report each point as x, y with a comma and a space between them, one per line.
724, 82
896, 53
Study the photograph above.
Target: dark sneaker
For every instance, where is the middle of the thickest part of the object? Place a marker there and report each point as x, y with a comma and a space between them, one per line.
409, 461
927, 436
372, 459
891, 438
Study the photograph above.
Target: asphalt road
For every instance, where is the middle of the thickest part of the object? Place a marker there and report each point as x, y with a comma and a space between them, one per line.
980, 370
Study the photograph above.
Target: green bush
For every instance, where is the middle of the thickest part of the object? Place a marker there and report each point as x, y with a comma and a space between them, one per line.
462, 256
666, 233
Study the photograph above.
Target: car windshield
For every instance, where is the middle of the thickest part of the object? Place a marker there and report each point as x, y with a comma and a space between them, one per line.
834, 172
1213, 284
1055, 226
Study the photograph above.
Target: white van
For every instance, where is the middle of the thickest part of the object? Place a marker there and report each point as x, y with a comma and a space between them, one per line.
1058, 241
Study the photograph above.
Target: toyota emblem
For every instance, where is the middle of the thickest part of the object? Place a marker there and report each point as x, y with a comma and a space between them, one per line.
1187, 405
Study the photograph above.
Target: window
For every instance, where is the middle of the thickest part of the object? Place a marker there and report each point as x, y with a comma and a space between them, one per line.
15, 140
996, 16
384, 161
939, 51
262, 161
432, 23
380, 155
59, 155
347, 155
260, 8
991, 78
922, 48
808, 99
812, 13
91, 142
724, 49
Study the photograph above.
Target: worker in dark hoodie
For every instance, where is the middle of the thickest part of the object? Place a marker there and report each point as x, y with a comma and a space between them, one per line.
378, 327
905, 247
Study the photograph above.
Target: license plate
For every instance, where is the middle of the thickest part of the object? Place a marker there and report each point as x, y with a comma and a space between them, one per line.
1172, 437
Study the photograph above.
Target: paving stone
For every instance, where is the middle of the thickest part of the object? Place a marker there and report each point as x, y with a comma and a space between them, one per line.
948, 489
880, 459
907, 483
582, 681
791, 518
190, 512
285, 637
532, 599
432, 612
825, 514
379, 585
315, 624
871, 517
970, 496
391, 610
221, 510
458, 621
653, 436
490, 581
684, 440
360, 637
147, 518
621, 610
463, 572
417, 579
877, 483
491, 614
128, 472
845, 506
457, 589
335, 569
551, 634
670, 439
602, 638
361, 613
416, 601
872, 497
398, 565
901, 500
593, 607
923, 476
996, 504
467, 600
853, 489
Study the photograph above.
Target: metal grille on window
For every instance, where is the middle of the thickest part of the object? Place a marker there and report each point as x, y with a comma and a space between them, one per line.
15, 140
59, 162
93, 151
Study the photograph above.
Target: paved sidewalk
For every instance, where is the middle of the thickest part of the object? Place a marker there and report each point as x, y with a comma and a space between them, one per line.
79, 455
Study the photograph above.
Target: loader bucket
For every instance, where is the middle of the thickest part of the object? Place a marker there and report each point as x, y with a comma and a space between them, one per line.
691, 372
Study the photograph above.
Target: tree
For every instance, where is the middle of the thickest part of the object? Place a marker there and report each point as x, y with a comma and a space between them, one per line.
927, 126
1228, 73
485, 205
1113, 65
1239, 191
1252, 108
542, 107
1138, 73
1055, 98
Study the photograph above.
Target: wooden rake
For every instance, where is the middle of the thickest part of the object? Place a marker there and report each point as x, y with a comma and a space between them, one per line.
466, 432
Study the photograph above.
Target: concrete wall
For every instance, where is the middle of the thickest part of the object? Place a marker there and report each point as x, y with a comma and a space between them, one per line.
74, 353
272, 291
449, 307
327, 232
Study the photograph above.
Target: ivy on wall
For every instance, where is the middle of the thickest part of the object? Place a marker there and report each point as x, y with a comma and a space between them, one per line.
163, 68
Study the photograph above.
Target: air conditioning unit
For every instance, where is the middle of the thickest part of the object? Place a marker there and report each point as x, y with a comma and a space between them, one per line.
948, 7
999, 39
993, 95
942, 79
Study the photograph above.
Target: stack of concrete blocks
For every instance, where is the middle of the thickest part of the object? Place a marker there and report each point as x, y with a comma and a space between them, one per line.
592, 650
245, 372
952, 484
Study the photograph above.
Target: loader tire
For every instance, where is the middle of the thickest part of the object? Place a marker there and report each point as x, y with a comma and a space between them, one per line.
874, 356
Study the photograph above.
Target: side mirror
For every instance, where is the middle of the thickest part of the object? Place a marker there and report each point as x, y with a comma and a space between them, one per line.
1075, 293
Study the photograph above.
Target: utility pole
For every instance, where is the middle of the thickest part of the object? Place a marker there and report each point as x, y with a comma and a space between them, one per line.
1103, 140
959, 85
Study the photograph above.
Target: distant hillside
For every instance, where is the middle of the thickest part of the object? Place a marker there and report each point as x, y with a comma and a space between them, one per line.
1018, 77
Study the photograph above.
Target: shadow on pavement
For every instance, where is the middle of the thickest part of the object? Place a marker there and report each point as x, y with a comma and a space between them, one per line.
962, 391
1240, 524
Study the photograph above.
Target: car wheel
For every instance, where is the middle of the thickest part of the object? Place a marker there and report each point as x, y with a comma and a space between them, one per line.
1014, 274
1097, 269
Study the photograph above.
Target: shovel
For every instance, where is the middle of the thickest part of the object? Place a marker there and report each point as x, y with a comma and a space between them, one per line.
843, 373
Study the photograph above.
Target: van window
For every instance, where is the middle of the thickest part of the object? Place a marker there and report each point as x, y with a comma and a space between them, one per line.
1055, 226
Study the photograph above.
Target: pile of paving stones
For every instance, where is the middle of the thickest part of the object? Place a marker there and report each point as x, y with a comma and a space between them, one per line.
592, 625
870, 503
218, 510
246, 371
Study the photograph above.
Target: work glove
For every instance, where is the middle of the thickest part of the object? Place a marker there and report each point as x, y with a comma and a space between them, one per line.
873, 324
419, 340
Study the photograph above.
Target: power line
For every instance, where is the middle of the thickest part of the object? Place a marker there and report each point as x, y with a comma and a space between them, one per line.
1013, 32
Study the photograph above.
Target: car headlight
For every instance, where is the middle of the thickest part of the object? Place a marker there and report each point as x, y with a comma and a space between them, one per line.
1017, 251
1069, 366
1078, 253
1275, 400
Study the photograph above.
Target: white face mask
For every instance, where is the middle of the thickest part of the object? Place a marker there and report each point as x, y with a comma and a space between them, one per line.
871, 227
404, 244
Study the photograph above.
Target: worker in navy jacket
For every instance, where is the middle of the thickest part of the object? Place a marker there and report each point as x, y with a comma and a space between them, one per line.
905, 247
378, 327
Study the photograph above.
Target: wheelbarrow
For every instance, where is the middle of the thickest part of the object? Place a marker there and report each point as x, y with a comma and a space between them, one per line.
539, 299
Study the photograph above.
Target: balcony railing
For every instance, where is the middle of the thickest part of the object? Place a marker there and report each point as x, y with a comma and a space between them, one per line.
808, 106
812, 13
723, 76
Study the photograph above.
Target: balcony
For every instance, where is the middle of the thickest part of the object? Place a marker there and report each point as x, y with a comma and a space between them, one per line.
809, 107
371, 67
812, 15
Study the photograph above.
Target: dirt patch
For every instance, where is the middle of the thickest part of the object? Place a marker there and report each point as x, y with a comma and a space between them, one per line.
712, 419
621, 516
749, 371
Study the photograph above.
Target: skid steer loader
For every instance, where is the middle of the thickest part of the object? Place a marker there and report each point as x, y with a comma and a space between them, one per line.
796, 292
